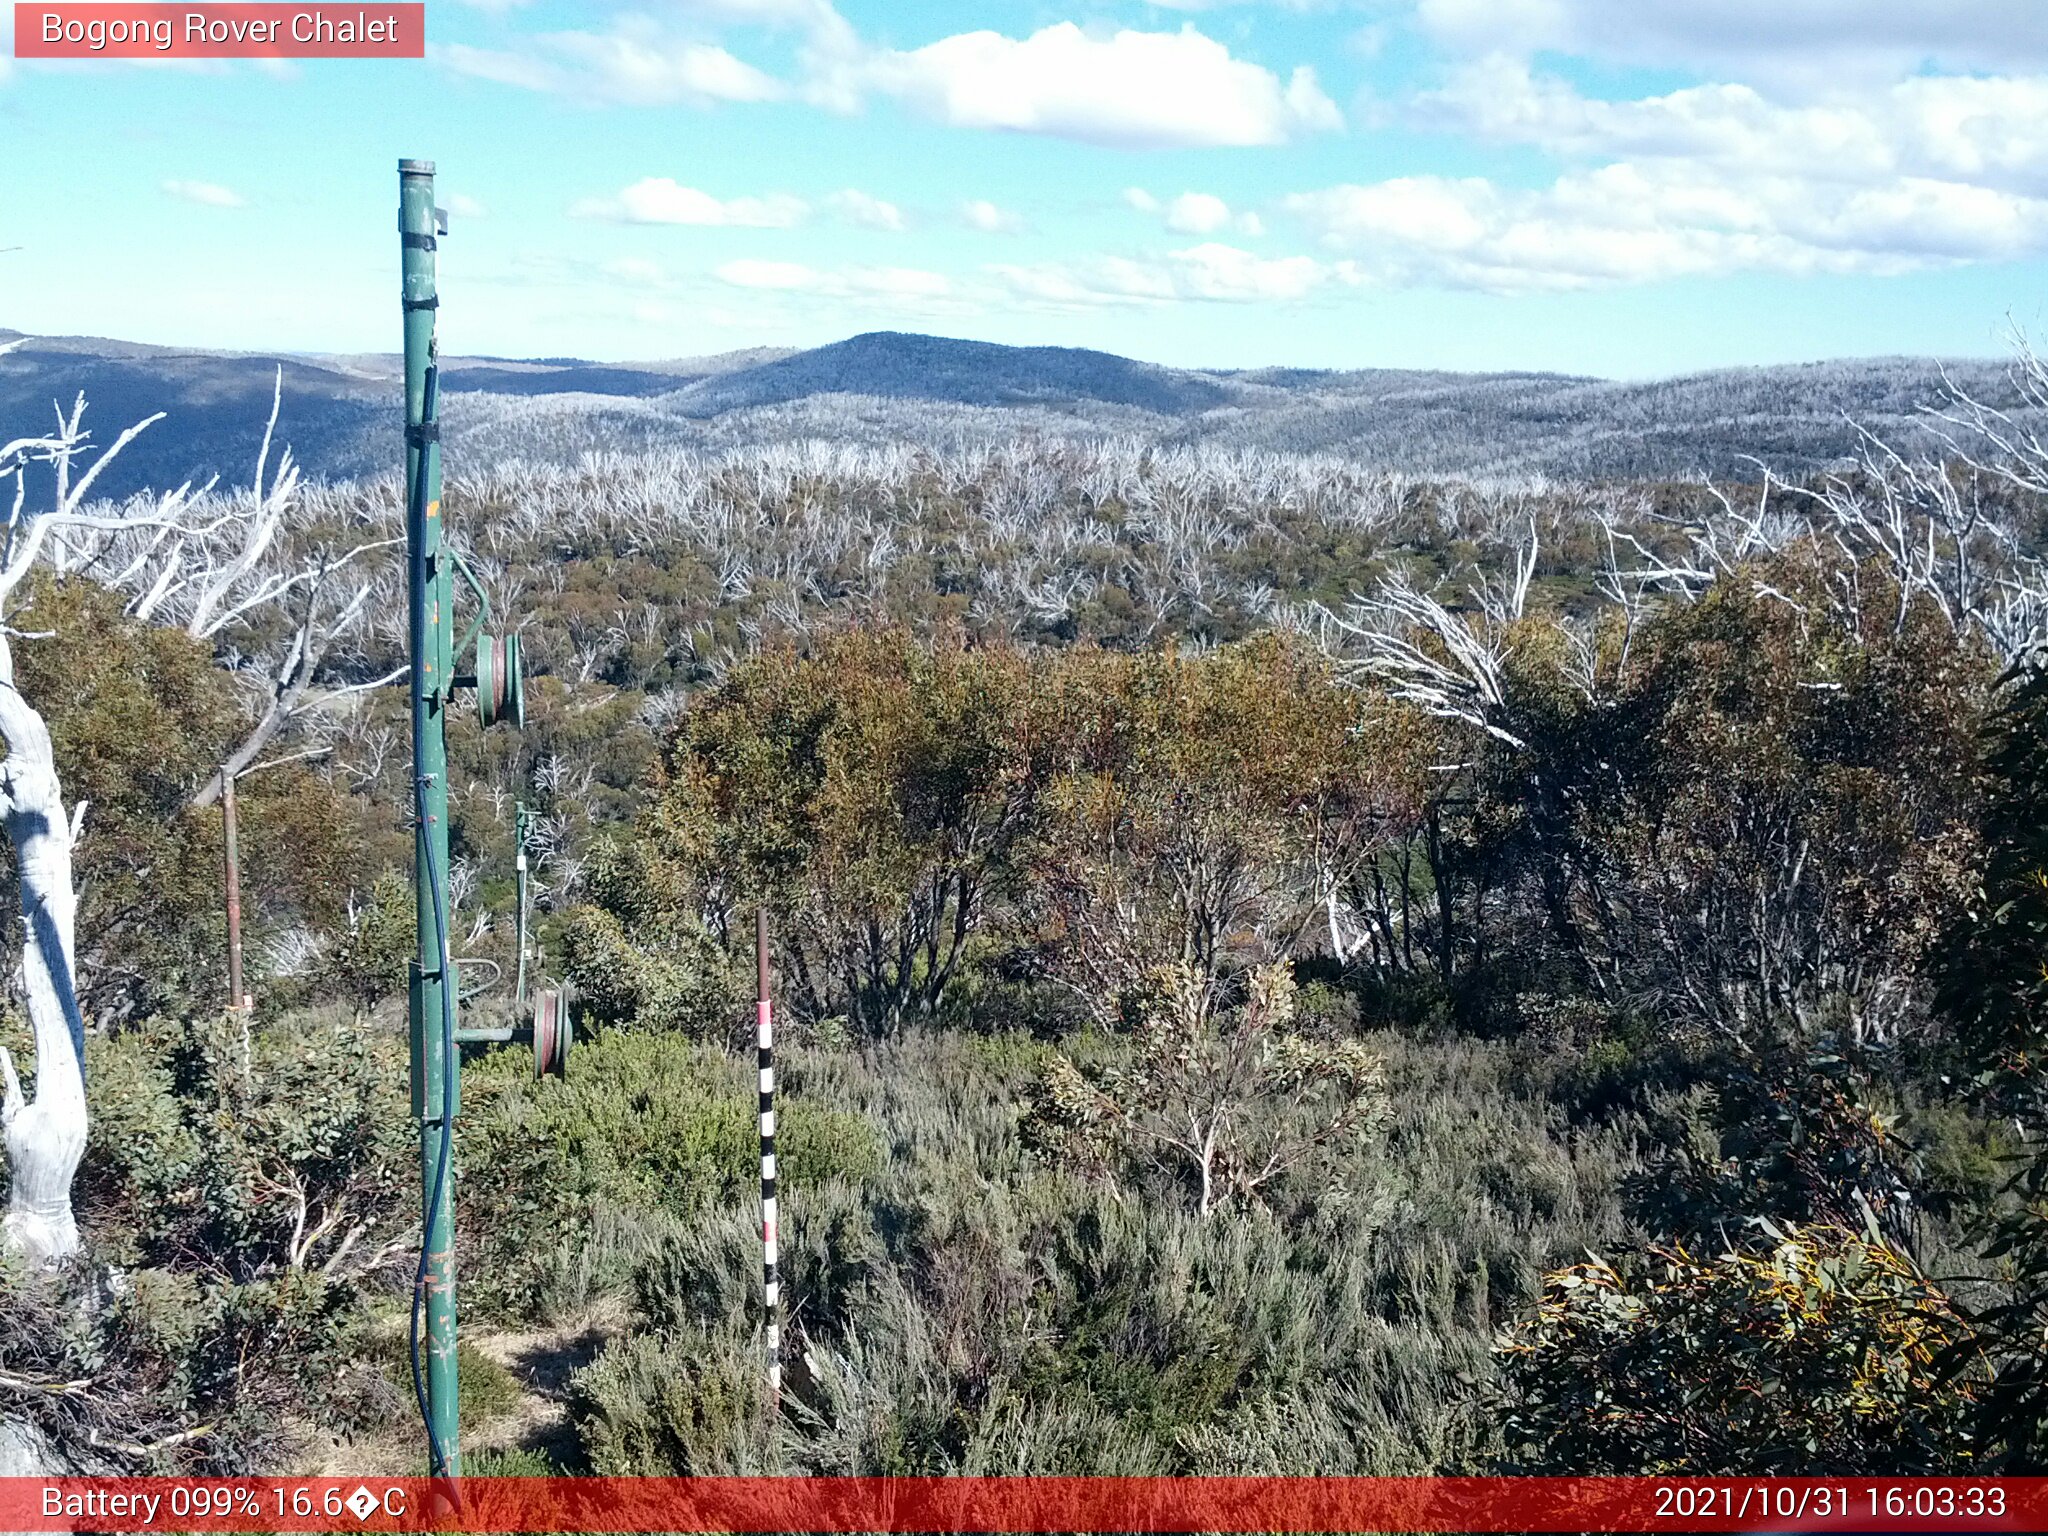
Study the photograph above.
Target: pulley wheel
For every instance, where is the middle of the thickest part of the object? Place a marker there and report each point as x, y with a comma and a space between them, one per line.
500, 680
552, 1032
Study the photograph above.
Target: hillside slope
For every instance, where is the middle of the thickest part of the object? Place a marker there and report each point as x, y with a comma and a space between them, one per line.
340, 413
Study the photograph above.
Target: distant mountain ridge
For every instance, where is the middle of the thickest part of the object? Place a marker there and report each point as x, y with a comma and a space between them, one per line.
341, 413
896, 365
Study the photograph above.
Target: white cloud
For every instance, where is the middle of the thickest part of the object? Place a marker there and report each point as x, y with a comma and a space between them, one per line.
901, 282
206, 193
1985, 131
1195, 213
1228, 273
661, 200
770, 13
1633, 222
637, 63
1210, 272
908, 284
1926, 171
861, 208
647, 70
1198, 213
1126, 89
1075, 285
1218, 5
979, 213
462, 206
525, 71
1820, 43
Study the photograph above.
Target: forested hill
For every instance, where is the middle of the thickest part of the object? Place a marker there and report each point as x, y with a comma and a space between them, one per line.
340, 412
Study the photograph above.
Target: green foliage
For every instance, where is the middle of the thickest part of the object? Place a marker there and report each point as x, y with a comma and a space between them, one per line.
1790, 1136
182, 1371
1992, 974
513, 1463
868, 792
1993, 980
650, 1126
966, 1309
1755, 827
489, 1390
255, 1151
369, 959
636, 956
1179, 803
1810, 801
1155, 1348
238, 1197
913, 810
139, 717
1961, 1159
651, 1406
1693, 903
1233, 1097
1819, 1355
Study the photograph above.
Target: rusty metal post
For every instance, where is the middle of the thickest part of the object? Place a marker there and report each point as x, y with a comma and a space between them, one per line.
232, 874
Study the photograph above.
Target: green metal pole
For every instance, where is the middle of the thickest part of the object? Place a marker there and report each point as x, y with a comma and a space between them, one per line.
435, 1067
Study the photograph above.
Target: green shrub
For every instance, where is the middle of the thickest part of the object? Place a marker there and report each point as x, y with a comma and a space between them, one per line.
671, 977
1132, 1332
369, 958
244, 1182
184, 1372
1819, 1354
253, 1150
653, 1405
139, 717
1960, 1160
969, 1310
488, 1391
645, 1126
517, 1462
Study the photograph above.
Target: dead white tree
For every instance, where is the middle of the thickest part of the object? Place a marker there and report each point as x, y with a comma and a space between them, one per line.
45, 1136
2003, 441
287, 683
1449, 663
233, 562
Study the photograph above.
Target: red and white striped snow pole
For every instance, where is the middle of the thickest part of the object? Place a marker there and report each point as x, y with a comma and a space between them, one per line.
771, 1287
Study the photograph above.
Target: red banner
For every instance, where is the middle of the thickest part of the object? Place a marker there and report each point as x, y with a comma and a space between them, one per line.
214, 31
1025, 1504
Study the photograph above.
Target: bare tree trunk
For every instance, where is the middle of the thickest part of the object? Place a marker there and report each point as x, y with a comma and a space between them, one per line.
275, 715
45, 1138
292, 680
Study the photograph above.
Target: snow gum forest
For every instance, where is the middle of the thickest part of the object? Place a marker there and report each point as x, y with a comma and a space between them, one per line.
1291, 958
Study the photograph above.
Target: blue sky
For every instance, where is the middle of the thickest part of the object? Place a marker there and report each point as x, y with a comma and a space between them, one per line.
1601, 186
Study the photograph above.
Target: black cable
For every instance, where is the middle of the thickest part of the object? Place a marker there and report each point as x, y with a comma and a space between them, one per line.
437, 1455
